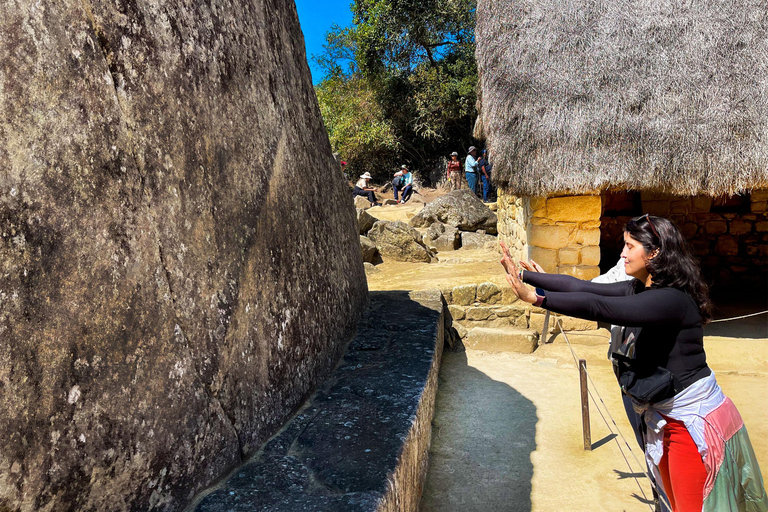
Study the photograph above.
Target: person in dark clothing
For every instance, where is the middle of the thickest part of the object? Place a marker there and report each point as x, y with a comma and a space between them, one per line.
662, 365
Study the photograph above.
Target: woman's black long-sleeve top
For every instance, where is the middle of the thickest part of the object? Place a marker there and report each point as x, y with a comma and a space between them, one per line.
666, 322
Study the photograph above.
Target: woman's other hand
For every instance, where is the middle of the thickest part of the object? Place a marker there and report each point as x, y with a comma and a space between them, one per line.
532, 266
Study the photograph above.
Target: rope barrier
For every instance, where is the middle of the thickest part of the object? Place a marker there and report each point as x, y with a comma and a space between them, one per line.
618, 430
739, 317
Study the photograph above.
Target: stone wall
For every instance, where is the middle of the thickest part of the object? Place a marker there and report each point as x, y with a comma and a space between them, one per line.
513, 213
732, 245
168, 295
562, 234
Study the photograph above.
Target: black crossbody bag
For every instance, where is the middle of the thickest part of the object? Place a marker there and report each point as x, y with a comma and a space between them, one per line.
643, 384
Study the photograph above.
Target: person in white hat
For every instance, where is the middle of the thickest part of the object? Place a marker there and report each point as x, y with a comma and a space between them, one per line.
362, 189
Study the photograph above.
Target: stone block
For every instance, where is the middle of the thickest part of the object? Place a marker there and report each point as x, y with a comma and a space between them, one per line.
536, 323
361, 203
502, 340
464, 295
457, 312
550, 237
460, 329
594, 338
538, 206
660, 208
591, 224
758, 206
580, 271
689, 230
575, 324
447, 292
727, 246
761, 227
701, 204
478, 313
489, 293
590, 256
739, 227
717, 227
759, 195
508, 311
521, 322
547, 258
568, 256
574, 208
700, 247
587, 237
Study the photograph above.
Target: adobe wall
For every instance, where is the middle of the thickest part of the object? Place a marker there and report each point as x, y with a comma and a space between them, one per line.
177, 270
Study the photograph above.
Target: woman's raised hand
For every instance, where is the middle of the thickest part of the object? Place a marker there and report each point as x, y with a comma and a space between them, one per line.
520, 289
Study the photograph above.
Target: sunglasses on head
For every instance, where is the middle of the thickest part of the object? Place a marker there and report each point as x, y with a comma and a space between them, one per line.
653, 228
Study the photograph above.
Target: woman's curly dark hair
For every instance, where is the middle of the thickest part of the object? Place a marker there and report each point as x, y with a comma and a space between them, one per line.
674, 265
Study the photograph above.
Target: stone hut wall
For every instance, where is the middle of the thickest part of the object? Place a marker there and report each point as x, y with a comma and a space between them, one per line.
731, 242
513, 213
177, 270
562, 234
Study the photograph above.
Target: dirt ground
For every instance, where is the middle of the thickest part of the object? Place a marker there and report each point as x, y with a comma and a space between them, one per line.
507, 432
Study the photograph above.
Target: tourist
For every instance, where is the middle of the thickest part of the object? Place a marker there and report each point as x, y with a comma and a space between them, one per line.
615, 275
453, 171
470, 169
362, 189
696, 443
485, 167
404, 184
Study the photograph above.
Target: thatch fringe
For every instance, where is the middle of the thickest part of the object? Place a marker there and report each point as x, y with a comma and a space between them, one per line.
667, 95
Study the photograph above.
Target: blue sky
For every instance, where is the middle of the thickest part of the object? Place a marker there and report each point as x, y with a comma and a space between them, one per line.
316, 18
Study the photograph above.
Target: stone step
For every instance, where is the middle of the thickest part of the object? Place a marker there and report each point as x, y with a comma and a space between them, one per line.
507, 339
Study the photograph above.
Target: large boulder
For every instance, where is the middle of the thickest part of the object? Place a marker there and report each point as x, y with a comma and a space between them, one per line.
470, 240
168, 296
459, 208
398, 241
365, 220
442, 237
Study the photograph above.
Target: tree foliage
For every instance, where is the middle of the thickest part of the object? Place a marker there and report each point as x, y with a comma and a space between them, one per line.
404, 77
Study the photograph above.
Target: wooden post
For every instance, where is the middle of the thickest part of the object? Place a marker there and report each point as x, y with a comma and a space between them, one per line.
545, 329
585, 405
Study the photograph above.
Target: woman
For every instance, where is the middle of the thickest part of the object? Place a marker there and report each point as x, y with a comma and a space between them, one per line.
696, 442
362, 189
453, 171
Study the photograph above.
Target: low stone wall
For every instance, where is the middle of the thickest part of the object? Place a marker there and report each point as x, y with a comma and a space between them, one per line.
362, 442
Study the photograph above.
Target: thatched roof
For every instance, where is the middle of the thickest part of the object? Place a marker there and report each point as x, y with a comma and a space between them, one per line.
581, 95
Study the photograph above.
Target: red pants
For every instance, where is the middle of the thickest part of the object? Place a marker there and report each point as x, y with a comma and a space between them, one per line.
682, 469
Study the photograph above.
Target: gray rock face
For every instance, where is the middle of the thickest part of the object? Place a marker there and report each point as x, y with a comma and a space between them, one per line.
365, 220
458, 208
167, 300
471, 240
442, 237
369, 250
398, 241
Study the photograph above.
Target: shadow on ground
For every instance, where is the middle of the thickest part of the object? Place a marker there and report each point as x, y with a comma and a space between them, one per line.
483, 435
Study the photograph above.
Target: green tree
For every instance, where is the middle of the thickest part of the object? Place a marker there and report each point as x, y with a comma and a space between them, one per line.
411, 65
